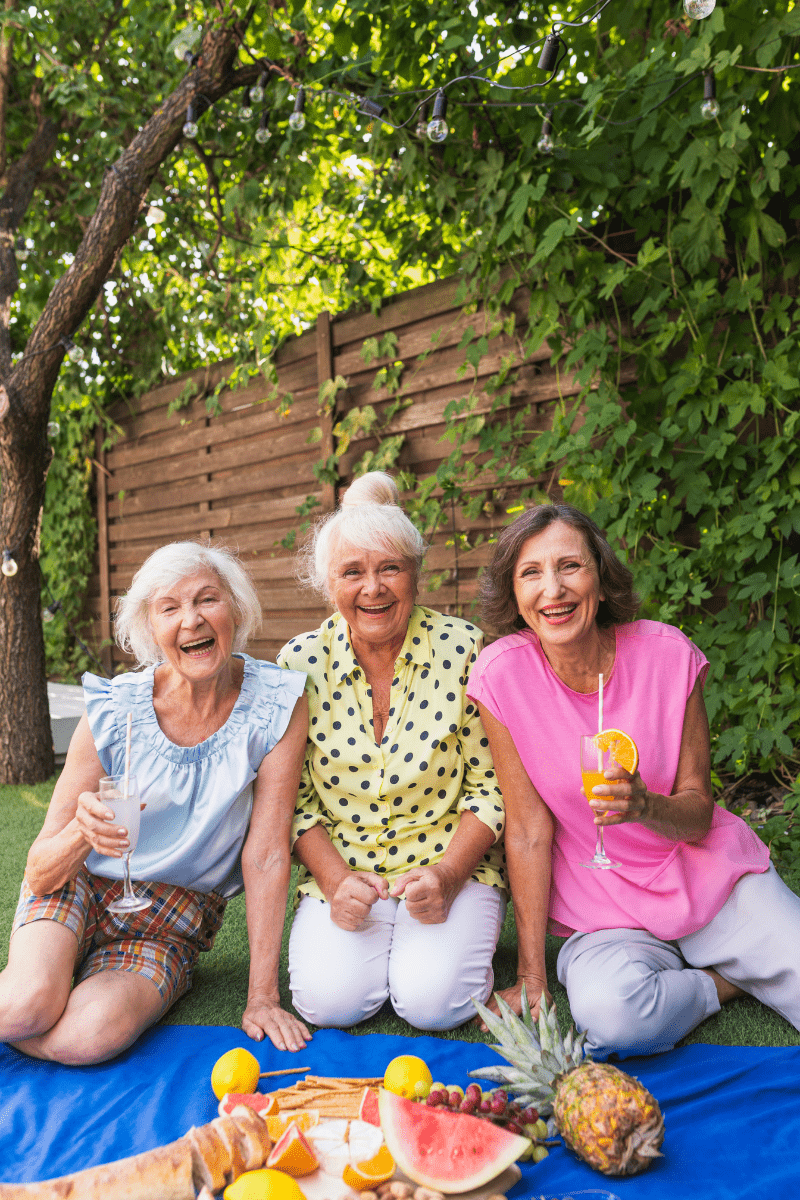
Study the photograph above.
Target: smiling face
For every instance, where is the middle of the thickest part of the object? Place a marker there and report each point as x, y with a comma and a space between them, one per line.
374, 590
193, 624
557, 586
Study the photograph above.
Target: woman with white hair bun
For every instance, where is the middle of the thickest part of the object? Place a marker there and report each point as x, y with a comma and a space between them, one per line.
399, 816
216, 746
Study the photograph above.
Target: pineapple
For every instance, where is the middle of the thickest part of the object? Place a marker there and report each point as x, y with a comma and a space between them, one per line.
606, 1116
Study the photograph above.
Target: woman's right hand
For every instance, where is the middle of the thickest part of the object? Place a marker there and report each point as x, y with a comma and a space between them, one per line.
513, 998
355, 896
97, 826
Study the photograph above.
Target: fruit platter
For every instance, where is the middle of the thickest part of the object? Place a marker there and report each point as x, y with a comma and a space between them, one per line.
404, 1136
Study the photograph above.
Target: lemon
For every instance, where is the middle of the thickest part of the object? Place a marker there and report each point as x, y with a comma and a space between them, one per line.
405, 1073
236, 1071
265, 1184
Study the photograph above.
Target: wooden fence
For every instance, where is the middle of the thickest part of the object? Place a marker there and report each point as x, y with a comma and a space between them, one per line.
239, 476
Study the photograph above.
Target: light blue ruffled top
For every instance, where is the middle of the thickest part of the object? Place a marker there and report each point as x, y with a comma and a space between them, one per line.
198, 798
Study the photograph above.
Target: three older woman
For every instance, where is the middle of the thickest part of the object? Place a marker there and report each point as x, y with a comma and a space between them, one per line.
687, 872
399, 814
217, 748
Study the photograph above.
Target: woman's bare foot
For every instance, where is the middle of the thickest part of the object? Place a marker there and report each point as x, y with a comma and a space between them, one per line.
725, 991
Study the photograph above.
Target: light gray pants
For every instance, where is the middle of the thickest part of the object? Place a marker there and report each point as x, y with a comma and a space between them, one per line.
638, 995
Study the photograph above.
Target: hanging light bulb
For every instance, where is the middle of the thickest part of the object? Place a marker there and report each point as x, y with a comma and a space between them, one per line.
710, 106
422, 121
697, 9
370, 108
246, 108
190, 127
49, 613
22, 249
263, 133
53, 429
297, 120
9, 566
549, 55
436, 128
546, 145
257, 92
74, 353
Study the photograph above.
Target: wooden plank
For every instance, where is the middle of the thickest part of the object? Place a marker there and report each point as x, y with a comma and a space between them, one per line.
327, 447
421, 302
226, 488
101, 476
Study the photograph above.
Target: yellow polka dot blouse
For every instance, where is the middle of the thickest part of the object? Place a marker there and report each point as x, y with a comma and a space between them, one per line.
395, 806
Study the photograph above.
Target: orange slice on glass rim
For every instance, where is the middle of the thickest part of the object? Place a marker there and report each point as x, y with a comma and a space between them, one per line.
375, 1170
622, 747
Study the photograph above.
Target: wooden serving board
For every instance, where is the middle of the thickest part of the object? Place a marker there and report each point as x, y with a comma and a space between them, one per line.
321, 1186
498, 1186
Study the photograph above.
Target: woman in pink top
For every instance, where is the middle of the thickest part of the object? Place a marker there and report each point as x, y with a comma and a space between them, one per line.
689, 872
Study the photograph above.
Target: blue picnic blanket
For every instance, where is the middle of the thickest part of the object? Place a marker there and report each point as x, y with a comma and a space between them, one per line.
732, 1113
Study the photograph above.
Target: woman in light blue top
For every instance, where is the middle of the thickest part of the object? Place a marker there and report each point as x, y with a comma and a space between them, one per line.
217, 747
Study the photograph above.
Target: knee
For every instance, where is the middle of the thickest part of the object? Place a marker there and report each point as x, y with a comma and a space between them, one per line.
335, 1003
611, 1020
29, 1006
432, 1004
81, 1040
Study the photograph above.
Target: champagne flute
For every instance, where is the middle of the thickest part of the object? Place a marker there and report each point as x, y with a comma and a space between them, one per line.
594, 762
120, 793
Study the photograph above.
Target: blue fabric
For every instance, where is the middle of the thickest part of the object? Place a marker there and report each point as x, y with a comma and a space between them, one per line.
732, 1113
198, 797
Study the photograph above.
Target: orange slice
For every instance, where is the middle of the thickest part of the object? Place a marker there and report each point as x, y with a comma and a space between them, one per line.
292, 1154
368, 1174
622, 747
304, 1120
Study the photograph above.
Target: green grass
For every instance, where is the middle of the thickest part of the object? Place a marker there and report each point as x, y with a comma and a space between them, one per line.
219, 992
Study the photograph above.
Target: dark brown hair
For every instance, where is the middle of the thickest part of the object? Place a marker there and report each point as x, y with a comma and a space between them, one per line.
498, 605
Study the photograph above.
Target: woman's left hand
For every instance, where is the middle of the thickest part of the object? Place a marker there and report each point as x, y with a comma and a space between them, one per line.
428, 891
264, 1016
622, 798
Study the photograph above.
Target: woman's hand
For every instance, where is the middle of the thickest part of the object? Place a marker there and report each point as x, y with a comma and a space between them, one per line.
97, 825
264, 1016
534, 986
429, 892
621, 799
354, 897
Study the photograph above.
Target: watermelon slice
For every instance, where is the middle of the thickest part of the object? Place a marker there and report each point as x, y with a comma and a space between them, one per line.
449, 1151
368, 1110
262, 1104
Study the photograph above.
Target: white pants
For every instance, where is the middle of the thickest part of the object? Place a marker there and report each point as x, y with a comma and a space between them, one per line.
428, 971
638, 995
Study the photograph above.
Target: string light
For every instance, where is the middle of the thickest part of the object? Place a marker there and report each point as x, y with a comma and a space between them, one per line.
246, 108
190, 127
422, 121
370, 108
297, 120
22, 249
546, 145
49, 613
75, 353
697, 9
53, 429
9, 566
549, 55
156, 214
257, 92
262, 133
437, 126
710, 106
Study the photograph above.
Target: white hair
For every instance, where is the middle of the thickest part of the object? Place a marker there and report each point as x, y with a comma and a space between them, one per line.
369, 517
166, 567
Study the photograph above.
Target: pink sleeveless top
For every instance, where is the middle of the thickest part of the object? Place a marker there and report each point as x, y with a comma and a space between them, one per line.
669, 888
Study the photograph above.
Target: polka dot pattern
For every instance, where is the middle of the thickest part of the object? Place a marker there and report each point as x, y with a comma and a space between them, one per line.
367, 796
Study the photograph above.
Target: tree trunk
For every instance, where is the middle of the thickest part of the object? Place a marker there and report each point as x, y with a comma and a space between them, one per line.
26, 750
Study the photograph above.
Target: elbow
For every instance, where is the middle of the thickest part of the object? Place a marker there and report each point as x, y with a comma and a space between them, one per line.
266, 860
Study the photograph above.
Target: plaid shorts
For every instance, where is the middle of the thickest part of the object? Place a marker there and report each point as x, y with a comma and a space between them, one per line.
161, 942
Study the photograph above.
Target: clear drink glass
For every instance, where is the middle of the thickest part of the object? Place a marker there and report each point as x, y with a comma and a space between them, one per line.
594, 762
122, 797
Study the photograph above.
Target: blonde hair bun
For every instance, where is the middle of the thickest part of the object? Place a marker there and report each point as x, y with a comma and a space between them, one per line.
376, 487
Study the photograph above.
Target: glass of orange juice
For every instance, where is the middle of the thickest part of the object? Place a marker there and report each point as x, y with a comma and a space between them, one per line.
594, 763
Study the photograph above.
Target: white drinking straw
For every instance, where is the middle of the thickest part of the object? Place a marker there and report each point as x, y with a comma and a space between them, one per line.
600, 719
125, 783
